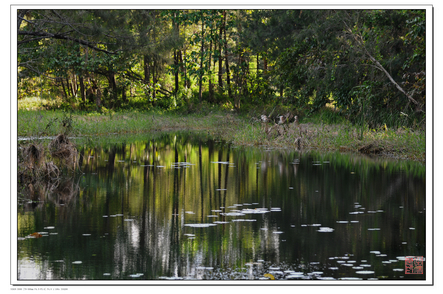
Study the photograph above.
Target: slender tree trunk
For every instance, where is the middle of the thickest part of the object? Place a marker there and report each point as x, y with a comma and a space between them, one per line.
176, 70
146, 71
65, 94
220, 60
265, 65
211, 94
228, 79
68, 85
82, 89
154, 79
187, 83
258, 63
200, 82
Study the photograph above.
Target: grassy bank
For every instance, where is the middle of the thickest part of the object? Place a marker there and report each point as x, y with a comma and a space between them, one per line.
240, 129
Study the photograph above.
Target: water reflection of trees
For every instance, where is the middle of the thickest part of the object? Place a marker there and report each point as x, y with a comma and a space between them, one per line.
125, 179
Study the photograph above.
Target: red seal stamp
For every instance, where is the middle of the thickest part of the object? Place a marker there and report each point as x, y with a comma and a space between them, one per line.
414, 265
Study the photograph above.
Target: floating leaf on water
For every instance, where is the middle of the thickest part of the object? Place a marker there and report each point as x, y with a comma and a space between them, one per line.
220, 162
342, 222
365, 265
412, 228
120, 214
325, 230
375, 251
334, 268
21, 238
315, 225
354, 212
341, 261
189, 212
232, 214
350, 279
135, 275
398, 269
317, 273
221, 189
404, 243
314, 262
385, 261
49, 228
77, 262
200, 225
354, 222
274, 268
373, 229
380, 210
244, 220
128, 220
86, 235
212, 215
357, 267
271, 277
351, 261
35, 235
347, 264
291, 188
401, 258
371, 211
364, 272
277, 232
381, 255
254, 211
106, 274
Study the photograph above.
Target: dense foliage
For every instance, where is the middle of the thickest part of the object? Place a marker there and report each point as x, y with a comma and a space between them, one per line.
369, 65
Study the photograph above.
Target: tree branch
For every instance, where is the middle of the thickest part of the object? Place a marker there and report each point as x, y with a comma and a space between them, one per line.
62, 37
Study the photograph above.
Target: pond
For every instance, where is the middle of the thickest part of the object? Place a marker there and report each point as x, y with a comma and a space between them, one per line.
182, 206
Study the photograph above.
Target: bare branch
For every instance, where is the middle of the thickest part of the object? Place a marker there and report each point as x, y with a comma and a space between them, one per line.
63, 37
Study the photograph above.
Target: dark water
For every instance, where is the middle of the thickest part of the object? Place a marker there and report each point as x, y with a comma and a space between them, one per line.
182, 206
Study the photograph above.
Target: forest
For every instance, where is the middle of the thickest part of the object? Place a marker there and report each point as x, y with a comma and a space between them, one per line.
368, 66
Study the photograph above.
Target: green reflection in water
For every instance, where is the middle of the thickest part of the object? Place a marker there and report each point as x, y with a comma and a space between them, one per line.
183, 206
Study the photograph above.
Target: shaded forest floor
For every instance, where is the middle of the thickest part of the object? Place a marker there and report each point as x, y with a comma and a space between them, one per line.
240, 129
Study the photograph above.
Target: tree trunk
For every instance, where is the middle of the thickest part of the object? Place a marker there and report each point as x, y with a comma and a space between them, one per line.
187, 83
220, 60
65, 94
200, 82
209, 71
265, 65
176, 70
82, 89
258, 63
228, 79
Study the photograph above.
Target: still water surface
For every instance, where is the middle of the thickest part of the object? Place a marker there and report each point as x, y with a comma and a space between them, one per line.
183, 206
